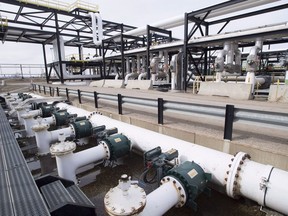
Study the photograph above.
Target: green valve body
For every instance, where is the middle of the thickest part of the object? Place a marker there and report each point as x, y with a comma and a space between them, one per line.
82, 129
61, 118
47, 110
193, 178
118, 144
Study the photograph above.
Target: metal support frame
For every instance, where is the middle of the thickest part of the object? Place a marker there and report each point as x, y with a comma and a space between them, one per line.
79, 96
199, 18
160, 111
67, 94
119, 104
229, 119
96, 99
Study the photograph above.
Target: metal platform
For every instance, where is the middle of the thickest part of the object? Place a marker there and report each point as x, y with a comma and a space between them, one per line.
19, 194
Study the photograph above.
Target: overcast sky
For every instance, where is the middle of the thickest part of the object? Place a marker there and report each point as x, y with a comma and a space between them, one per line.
137, 13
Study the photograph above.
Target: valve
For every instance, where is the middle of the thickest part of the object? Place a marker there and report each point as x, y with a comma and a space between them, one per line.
162, 162
192, 178
117, 145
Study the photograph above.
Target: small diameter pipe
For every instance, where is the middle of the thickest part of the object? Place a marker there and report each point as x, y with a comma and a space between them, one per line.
68, 164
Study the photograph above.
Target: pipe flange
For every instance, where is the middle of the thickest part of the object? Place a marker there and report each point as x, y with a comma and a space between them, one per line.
40, 127
130, 203
72, 130
53, 119
232, 184
62, 148
106, 147
180, 189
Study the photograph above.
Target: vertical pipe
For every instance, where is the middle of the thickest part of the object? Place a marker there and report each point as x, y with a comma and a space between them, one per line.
39, 87
44, 89
58, 92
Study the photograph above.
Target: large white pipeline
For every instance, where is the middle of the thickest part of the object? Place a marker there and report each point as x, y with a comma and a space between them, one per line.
237, 173
179, 20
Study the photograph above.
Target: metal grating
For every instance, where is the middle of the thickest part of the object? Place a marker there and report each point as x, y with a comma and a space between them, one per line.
79, 196
19, 194
56, 194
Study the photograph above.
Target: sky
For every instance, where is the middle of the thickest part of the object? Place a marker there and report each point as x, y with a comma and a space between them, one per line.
136, 13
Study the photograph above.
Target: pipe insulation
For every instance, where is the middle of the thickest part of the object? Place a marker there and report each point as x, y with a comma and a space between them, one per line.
179, 20
240, 169
156, 205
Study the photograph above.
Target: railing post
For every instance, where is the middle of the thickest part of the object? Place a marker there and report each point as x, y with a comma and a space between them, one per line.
58, 92
160, 110
39, 88
67, 94
96, 99
44, 89
119, 104
50, 90
229, 119
79, 96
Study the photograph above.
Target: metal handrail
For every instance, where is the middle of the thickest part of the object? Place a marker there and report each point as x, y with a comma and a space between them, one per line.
240, 114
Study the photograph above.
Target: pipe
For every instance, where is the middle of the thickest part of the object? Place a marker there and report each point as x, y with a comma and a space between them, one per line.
253, 63
179, 20
44, 137
220, 66
67, 164
97, 28
219, 164
142, 76
156, 205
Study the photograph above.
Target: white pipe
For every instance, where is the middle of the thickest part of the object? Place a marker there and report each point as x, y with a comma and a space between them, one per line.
156, 205
44, 137
179, 20
142, 75
69, 163
253, 63
138, 64
97, 28
212, 161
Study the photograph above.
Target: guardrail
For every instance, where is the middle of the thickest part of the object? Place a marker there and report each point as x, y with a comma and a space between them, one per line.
229, 112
